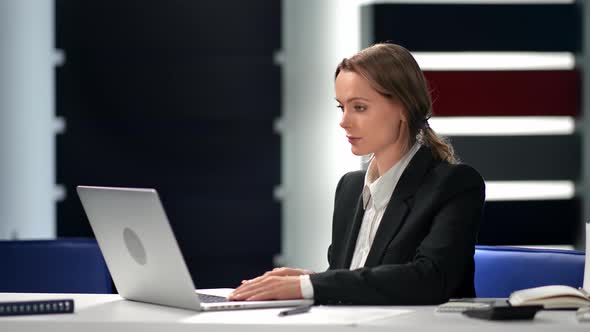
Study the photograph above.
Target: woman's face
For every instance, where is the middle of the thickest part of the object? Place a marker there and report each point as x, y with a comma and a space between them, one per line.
373, 123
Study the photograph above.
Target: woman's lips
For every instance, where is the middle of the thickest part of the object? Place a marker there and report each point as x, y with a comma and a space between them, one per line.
352, 139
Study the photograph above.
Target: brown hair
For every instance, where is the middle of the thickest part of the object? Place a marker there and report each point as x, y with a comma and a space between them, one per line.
392, 71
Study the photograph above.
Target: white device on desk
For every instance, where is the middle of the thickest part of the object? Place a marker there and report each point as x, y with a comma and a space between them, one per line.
142, 254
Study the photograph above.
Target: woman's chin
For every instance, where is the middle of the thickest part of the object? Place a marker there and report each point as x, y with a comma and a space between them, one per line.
357, 152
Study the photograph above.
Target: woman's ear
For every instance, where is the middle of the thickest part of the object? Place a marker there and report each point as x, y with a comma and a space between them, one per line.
403, 116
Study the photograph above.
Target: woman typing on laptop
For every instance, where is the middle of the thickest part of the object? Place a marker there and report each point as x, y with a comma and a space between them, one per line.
404, 231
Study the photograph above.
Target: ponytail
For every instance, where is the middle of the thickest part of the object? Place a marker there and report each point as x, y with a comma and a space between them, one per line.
440, 146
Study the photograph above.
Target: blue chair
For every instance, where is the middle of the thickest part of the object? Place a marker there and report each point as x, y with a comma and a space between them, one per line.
53, 266
500, 271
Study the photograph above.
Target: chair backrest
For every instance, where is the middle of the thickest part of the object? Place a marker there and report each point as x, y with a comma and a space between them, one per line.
72, 265
500, 271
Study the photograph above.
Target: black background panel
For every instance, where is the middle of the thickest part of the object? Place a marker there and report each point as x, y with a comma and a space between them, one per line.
542, 222
519, 158
180, 96
123, 82
206, 26
476, 27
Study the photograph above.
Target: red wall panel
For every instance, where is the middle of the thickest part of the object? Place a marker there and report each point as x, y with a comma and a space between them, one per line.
505, 93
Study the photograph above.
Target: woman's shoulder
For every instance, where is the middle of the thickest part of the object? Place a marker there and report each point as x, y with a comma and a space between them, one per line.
349, 188
459, 176
352, 179
353, 176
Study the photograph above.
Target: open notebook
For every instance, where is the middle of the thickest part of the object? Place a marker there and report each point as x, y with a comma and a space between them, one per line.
551, 297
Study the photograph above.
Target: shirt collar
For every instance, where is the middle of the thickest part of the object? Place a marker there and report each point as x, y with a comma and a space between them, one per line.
380, 189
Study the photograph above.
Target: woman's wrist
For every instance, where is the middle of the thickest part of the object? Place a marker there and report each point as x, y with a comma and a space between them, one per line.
306, 286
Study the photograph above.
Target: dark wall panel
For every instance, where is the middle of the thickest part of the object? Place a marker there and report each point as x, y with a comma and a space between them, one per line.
180, 96
530, 222
504, 158
209, 27
157, 84
477, 27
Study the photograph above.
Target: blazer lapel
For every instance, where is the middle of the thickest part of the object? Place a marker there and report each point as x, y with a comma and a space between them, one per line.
398, 207
353, 233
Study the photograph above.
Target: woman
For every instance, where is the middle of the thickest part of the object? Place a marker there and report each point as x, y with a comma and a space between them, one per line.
404, 231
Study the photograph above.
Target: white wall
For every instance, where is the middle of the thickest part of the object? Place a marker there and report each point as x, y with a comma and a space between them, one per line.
27, 148
315, 153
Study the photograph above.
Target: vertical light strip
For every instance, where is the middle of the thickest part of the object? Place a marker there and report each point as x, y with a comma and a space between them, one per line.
314, 149
27, 137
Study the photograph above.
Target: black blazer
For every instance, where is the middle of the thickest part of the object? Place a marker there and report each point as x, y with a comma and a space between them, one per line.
423, 249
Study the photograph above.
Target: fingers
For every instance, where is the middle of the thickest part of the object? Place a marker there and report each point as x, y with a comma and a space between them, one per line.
266, 274
263, 296
268, 288
255, 279
275, 271
287, 289
278, 271
287, 271
252, 287
253, 283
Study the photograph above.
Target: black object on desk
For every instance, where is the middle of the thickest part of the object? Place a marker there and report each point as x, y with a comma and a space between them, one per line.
297, 310
504, 312
41, 307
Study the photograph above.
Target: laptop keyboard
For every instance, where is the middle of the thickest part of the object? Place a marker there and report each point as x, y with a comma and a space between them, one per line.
206, 298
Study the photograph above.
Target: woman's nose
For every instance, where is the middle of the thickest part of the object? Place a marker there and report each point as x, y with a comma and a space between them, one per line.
344, 121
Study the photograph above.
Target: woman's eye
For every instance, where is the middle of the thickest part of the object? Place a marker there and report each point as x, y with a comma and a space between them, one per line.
340, 107
360, 108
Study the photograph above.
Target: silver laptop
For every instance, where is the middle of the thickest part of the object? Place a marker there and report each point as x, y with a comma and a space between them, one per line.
143, 256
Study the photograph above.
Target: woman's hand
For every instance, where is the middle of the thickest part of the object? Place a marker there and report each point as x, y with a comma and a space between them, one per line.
282, 272
278, 284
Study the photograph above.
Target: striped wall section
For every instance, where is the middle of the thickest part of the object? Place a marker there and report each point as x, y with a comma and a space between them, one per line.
507, 94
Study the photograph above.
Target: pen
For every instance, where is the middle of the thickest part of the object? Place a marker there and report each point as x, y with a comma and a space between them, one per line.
298, 310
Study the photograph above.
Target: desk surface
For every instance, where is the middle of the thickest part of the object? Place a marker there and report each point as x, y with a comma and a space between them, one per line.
112, 313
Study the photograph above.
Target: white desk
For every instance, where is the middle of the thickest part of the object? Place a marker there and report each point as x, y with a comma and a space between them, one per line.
110, 313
